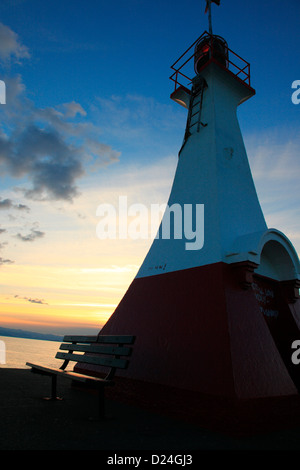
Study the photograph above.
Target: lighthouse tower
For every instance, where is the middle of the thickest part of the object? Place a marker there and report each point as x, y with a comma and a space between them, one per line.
215, 304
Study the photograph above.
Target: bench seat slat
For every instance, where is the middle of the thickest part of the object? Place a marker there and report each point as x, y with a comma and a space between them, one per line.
96, 360
69, 374
122, 339
113, 350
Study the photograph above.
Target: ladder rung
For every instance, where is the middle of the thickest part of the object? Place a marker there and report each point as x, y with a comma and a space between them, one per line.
195, 104
191, 125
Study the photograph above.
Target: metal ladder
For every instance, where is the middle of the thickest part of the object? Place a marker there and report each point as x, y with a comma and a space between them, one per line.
194, 122
194, 118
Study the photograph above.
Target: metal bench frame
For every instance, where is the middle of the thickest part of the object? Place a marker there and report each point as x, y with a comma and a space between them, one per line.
109, 352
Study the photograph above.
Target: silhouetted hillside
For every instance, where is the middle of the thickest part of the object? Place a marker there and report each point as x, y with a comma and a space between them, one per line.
28, 334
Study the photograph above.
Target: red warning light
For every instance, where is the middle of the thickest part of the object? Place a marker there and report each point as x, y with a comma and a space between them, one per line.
210, 47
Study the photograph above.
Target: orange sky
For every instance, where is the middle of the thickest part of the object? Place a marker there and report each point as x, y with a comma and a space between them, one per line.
59, 299
70, 280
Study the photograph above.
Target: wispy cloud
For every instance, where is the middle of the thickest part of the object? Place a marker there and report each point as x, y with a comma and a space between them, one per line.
5, 261
30, 237
151, 125
31, 300
11, 49
9, 204
275, 165
5, 204
275, 158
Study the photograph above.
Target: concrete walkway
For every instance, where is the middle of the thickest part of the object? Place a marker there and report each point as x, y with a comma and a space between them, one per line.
30, 423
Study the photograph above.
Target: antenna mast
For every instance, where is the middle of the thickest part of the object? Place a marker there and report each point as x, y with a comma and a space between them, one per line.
208, 9
208, 2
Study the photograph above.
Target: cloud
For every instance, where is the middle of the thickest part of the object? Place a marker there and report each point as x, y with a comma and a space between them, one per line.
5, 261
49, 148
22, 207
73, 108
274, 160
52, 164
136, 115
30, 237
9, 204
33, 301
10, 45
2, 245
5, 204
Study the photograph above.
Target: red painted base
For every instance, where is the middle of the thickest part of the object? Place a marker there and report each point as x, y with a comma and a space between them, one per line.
198, 330
233, 417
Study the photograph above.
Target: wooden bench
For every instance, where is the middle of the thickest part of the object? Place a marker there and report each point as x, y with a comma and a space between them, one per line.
110, 352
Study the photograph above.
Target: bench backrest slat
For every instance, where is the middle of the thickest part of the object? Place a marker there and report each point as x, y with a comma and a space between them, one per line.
97, 349
80, 339
122, 339
96, 360
101, 350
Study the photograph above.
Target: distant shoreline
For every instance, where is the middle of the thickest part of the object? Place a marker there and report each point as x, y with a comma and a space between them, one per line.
16, 333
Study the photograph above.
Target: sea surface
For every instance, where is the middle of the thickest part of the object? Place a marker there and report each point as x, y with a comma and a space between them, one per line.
15, 352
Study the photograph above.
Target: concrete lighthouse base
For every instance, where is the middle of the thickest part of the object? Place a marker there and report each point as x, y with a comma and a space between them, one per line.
206, 352
204, 330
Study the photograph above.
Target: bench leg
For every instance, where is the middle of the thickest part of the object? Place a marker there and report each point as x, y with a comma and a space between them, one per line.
53, 389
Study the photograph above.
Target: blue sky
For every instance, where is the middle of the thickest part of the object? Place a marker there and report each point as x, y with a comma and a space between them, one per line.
89, 117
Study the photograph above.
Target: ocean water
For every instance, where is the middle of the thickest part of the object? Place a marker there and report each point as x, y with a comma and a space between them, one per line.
15, 352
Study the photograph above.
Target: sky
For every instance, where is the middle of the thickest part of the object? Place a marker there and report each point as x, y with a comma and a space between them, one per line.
88, 118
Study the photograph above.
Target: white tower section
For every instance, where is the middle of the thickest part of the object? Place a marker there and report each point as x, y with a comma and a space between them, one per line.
212, 177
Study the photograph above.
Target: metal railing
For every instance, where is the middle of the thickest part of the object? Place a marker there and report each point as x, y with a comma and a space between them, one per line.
183, 74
